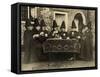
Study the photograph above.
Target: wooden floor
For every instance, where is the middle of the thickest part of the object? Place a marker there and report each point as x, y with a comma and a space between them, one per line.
54, 65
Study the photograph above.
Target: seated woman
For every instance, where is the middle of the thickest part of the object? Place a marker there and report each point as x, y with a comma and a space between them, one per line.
62, 33
37, 45
54, 32
74, 34
43, 32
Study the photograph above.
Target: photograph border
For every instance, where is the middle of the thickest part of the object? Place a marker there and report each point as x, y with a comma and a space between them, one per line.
19, 71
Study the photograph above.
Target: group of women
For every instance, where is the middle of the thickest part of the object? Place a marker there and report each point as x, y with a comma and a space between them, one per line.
36, 33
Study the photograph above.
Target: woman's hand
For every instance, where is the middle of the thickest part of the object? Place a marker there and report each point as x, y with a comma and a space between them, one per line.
36, 35
46, 35
78, 37
41, 33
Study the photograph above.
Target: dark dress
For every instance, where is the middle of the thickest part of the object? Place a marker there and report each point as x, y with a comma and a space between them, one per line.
37, 47
28, 43
86, 46
44, 36
42, 39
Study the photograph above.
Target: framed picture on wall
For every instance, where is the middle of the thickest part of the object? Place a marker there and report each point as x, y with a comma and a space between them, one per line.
48, 38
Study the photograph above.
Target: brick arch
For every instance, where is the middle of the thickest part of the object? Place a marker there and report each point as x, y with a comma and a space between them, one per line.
83, 16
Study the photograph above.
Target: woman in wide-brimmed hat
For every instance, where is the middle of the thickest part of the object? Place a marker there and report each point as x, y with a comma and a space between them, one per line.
37, 46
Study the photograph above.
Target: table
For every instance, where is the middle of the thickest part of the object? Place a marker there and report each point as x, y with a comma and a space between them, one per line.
61, 45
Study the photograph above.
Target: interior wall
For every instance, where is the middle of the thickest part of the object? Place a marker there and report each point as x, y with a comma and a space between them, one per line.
71, 14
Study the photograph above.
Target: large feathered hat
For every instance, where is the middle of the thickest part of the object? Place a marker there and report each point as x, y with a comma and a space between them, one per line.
63, 25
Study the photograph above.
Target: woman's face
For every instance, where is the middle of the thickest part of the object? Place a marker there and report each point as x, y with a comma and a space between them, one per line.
43, 28
62, 29
38, 27
30, 27
55, 28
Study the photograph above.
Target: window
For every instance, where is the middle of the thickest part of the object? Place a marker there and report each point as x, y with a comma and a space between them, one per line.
61, 16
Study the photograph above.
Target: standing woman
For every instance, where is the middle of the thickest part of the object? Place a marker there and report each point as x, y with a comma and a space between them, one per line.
36, 50
87, 49
28, 41
44, 31
43, 38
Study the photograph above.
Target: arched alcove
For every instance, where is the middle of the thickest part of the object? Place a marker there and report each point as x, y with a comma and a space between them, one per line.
80, 15
83, 16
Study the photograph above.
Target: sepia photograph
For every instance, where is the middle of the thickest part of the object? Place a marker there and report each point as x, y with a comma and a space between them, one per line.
57, 37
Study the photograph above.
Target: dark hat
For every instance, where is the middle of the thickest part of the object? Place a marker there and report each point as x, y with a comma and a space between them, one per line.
79, 17
63, 25
42, 23
54, 24
32, 21
27, 23
31, 18
73, 24
89, 25
36, 22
